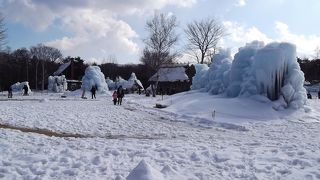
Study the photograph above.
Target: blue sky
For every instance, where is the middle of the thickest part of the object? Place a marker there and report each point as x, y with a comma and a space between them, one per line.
96, 30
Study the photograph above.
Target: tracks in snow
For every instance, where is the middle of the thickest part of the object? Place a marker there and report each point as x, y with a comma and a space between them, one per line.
50, 133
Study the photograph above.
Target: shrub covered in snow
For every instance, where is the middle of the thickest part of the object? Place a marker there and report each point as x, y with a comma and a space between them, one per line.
94, 77
57, 83
270, 70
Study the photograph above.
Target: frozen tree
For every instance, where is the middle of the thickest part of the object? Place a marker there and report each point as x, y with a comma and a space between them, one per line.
203, 37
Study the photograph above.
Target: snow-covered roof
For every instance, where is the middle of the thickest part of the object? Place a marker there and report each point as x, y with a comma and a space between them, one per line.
170, 74
62, 68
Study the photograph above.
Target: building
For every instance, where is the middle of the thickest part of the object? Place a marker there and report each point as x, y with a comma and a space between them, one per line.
173, 78
73, 70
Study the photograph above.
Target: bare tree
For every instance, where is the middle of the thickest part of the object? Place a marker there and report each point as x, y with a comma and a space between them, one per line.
44, 54
2, 32
203, 37
161, 40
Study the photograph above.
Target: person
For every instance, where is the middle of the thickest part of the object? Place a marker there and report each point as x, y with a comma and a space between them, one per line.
120, 95
318, 94
25, 90
9, 92
114, 96
309, 95
93, 92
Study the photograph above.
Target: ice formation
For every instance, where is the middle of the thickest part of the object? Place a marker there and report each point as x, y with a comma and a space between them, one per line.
270, 70
133, 82
94, 77
19, 86
57, 83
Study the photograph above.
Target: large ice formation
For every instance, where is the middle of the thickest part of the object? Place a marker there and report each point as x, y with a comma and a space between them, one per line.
57, 83
16, 87
270, 70
94, 77
132, 83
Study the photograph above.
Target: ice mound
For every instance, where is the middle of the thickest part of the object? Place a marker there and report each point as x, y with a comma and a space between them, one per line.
57, 83
16, 87
145, 172
270, 70
94, 77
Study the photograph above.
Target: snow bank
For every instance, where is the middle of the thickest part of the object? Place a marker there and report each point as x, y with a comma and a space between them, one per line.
94, 77
145, 172
270, 70
19, 86
57, 83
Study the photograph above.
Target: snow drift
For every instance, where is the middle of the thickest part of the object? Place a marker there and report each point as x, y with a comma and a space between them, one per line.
270, 70
94, 77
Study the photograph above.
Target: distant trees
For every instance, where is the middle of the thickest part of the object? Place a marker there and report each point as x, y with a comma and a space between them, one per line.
2, 32
44, 54
203, 37
160, 42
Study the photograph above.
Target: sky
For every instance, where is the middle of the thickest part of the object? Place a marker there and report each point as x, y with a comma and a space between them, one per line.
98, 30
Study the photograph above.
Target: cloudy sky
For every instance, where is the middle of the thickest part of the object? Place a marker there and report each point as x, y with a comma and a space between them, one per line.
99, 29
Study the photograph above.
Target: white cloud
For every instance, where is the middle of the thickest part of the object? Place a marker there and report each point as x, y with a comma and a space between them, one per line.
305, 44
96, 35
240, 2
240, 34
95, 26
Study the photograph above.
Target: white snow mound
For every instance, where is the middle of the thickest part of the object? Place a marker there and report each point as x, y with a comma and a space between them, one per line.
94, 77
145, 172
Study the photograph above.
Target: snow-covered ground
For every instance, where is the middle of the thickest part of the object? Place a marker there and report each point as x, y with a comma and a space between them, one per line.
198, 136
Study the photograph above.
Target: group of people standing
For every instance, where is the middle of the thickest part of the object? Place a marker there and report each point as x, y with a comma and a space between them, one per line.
118, 95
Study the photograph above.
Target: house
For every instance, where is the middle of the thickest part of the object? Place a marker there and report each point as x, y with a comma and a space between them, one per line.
173, 78
73, 70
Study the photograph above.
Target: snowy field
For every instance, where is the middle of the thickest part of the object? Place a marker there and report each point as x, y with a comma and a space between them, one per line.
197, 136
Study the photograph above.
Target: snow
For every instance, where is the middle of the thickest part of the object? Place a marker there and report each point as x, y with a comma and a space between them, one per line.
246, 138
94, 77
170, 74
257, 69
57, 83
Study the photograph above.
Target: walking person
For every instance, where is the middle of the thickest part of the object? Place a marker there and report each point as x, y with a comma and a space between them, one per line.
93, 92
114, 96
120, 95
25, 90
10, 92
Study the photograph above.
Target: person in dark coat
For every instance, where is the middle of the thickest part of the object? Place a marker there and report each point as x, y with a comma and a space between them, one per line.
309, 95
93, 92
25, 90
9, 92
120, 95
114, 97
